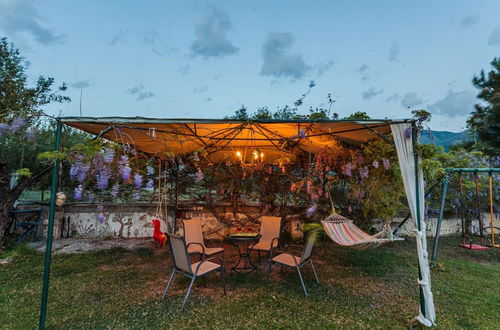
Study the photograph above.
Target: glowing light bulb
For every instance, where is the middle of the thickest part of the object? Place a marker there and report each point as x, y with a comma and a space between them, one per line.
261, 155
238, 154
255, 155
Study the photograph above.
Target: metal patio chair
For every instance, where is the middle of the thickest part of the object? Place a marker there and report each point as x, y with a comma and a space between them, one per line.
183, 266
270, 228
288, 259
193, 234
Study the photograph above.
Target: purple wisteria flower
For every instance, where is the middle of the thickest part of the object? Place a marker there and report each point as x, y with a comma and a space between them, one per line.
123, 160
302, 133
103, 178
386, 163
82, 173
150, 170
375, 164
100, 208
125, 172
310, 211
199, 176
78, 193
347, 169
136, 195
17, 124
79, 169
102, 172
101, 217
363, 173
109, 155
408, 132
137, 180
115, 190
4, 128
150, 184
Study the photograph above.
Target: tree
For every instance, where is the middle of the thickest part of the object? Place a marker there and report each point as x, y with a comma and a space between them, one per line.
21, 120
485, 119
357, 115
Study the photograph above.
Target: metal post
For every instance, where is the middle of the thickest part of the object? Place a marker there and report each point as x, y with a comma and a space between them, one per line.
50, 233
440, 219
417, 195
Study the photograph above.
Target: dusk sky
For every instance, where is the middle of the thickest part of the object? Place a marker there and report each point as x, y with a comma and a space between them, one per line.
205, 59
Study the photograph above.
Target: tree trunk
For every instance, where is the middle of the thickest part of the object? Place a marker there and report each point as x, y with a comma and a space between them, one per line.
9, 196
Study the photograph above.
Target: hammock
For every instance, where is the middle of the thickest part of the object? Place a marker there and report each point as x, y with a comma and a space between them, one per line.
344, 232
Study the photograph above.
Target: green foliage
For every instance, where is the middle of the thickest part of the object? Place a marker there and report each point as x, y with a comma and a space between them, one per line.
485, 120
383, 193
24, 172
357, 115
50, 156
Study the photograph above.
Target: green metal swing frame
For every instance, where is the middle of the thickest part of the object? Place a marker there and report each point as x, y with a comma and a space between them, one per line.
449, 172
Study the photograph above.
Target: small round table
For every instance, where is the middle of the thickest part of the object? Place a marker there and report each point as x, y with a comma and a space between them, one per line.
246, 243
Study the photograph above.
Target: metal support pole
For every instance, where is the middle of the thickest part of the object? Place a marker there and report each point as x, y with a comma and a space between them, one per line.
440, 219
50, 232
419, 216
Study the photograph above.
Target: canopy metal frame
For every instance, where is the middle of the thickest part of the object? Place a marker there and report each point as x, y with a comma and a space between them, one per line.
215, 139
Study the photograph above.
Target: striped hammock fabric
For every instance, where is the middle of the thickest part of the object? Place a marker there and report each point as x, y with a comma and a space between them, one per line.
345, 233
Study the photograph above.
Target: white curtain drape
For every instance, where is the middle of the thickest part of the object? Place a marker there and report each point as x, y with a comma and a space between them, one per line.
406, 156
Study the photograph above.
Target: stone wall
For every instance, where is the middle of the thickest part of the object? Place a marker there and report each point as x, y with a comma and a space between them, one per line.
134, 221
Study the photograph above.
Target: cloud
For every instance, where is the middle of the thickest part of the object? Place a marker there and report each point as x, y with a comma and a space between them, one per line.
495, 37
139, 91
371, 93
200, 90
278, 62
119, 37
211, 35
469, 20
18, 17
322, 68
394, 51
393, 98
144, 95
363, 68
454, 104
184, 69
135, 89
81, 84
148, 38
364, 75
410, 100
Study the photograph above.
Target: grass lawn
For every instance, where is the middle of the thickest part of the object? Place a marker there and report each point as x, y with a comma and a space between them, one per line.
359, 289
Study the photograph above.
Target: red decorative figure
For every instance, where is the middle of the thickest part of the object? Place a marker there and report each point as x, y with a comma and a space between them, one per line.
158, 235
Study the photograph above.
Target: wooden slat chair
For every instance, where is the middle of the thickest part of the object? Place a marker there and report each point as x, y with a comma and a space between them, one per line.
183, 266
288, 259
270, 228
193, 234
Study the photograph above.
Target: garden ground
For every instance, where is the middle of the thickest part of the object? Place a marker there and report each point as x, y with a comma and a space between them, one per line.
120, 288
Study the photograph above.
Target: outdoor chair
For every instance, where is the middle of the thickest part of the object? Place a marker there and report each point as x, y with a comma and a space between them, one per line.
193, 234
288, 259
270, 228
183, 266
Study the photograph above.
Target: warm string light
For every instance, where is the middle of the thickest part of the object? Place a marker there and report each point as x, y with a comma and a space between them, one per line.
257, 156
